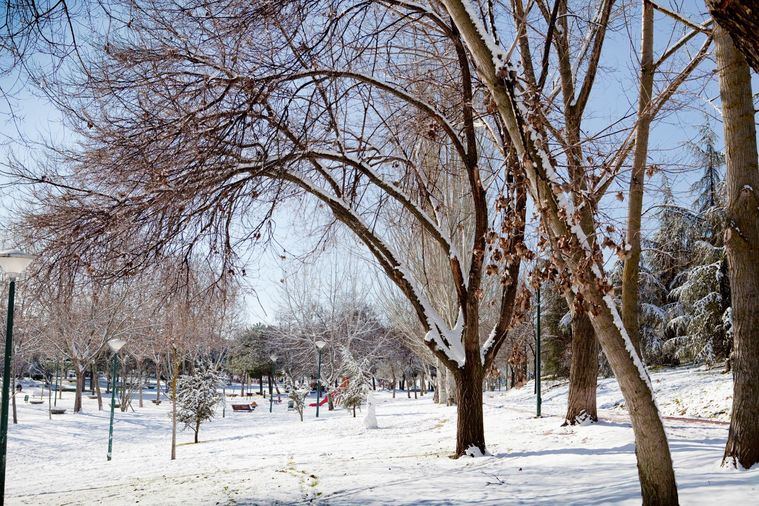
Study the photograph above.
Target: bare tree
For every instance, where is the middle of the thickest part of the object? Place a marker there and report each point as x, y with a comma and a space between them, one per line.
567, 208
251, 125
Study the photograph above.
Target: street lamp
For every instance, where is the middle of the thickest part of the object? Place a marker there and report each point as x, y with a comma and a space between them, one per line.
539, 399
13, 263
115, 345
319, 345
273, 358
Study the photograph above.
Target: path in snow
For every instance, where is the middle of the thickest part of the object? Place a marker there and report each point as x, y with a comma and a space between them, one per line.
263, 458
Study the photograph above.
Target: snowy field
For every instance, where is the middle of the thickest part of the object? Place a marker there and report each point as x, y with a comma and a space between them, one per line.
263, 458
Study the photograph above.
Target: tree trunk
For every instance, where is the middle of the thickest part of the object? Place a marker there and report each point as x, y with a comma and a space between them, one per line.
79, 387
657, 477
174, 375
631, 270
197, 430
140, 379
450, 387
439, 395
583, 375
13, 396
97, 391
93, 378
742, 245
470, 431
158, 380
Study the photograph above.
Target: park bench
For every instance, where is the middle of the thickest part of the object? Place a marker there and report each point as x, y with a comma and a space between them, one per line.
36, 401
244, 407
57, 411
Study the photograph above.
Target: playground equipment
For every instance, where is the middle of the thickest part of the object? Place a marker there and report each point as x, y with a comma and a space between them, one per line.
334, 394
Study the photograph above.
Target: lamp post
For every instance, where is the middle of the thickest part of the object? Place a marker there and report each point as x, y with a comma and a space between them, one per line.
13, 263
273, 358
319, 345
115, 345
537, 357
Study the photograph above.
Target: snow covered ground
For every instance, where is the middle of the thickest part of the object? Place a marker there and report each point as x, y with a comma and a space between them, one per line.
263, 458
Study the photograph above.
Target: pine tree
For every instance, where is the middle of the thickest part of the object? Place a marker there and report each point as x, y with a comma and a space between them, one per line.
297, 396
711, 161
700, 316
357, 388
197, 395
668, 254
556, 337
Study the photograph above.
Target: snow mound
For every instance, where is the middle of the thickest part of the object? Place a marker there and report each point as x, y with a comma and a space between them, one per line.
474, 451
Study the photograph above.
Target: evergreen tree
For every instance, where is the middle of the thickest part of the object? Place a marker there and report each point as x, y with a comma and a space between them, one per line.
699, 315
297, 395
198, 396
556, 336
667, 256
711, 161
357, 388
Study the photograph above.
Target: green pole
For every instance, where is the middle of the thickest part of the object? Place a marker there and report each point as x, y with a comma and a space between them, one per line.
318, 382
6, 387
537, 359
113, 404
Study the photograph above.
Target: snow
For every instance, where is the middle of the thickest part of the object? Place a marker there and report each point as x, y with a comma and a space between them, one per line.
438, 330
489, 342
628, 343
264, 458
499, 56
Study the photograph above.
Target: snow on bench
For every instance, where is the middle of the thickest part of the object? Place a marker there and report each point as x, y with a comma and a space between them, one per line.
244, 407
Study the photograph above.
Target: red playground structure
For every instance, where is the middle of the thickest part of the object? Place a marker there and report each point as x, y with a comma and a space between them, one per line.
334, 394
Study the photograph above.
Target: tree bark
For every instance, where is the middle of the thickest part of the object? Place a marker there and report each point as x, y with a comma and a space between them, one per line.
740, 18
742, 245
583, 375
450, 388
97, 391
140, 379
470, 430
13, 395
174, 375
440, 393
79, 387
655, 471
631, 269
158, 381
